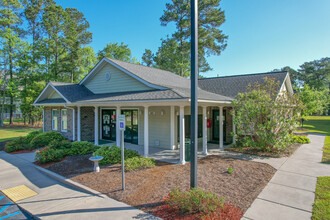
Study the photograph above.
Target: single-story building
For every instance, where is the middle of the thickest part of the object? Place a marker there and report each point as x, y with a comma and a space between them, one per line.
156, 104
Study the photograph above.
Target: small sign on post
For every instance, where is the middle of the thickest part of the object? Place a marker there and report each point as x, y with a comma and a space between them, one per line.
121, 120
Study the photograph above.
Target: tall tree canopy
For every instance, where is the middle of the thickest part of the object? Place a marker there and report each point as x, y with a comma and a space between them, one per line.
117, 51
211, 39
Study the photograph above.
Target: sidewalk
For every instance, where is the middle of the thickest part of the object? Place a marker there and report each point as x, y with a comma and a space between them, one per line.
290, 193
56, 200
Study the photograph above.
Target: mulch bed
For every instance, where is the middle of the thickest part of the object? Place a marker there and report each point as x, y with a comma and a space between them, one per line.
45, 165
146, 189
22, 151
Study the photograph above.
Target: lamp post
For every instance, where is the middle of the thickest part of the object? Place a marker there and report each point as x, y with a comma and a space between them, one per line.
194, 95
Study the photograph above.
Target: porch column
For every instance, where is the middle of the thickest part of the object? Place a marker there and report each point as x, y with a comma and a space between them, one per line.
43, 119
172, 120
96, 126
234, 130
204, 131
221, 127
146, 131
73, 124
182, 136
78, 124
117, 126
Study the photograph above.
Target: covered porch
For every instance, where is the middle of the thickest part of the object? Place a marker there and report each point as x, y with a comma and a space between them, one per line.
158, 130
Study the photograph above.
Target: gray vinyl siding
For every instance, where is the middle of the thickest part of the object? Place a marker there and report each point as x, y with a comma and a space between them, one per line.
54, 95
119, 82
159, 127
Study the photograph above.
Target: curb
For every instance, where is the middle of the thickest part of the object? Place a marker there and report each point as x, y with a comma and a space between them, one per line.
69, 182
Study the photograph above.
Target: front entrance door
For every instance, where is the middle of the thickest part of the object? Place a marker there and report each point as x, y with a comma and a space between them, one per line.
109, 124
215, 127
131, 130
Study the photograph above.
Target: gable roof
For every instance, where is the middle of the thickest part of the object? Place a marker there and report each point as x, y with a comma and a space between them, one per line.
230, 86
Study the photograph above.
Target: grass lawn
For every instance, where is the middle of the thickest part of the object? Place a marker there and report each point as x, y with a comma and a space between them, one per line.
321, 208
8, 133
320, 124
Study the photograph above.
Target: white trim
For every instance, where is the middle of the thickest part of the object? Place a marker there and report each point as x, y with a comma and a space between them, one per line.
122, 69
146, 131
43, 120
204, 130
79, 123
221, 127
118, 112
53, 120
172, 127
49, 84
96, 127
182, 136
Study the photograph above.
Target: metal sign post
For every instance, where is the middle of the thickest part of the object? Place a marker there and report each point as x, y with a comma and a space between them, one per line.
121, 119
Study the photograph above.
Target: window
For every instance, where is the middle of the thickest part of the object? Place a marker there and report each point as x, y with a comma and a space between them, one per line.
64, 120
54, 119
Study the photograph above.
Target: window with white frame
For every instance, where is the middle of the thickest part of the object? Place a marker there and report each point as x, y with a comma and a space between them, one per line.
54, 119
64, 120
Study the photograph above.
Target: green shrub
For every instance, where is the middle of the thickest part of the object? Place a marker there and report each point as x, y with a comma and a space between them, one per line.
135, 163
194, 201
81, 148
32, 135
300, 139
61, 145
49, 154
112, 155
45, 139
16, 145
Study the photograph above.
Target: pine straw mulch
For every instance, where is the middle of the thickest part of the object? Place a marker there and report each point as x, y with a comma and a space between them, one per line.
146, 189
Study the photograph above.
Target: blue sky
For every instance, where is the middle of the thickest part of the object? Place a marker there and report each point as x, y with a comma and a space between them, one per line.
263, 34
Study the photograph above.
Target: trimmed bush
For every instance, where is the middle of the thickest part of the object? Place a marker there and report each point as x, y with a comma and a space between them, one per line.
81, 148
112, 155
61, 145
49, 154
194, 201
16, 145
135, 163
32, 135
45, 138
300, 139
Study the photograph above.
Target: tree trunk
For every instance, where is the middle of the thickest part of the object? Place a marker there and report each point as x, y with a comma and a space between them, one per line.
11, 78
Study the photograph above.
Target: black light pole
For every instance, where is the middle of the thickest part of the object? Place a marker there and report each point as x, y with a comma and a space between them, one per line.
194, 82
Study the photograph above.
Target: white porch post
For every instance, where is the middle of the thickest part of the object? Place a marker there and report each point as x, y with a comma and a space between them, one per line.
96, 126
221, 127
234, 131
172, 120
78, 124
43, 119
74, 124
182, 136
204, 131
146, 131
117, 126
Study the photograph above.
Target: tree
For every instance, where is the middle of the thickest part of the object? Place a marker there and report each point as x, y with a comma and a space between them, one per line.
211, 39
313, 100
87, 60
148, 58
263, 118
118, 52
316, 73
75, 35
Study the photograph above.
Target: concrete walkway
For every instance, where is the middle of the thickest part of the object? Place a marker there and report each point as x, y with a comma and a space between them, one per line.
56, 200
290, 193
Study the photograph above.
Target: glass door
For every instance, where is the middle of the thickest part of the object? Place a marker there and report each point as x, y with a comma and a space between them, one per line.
131, 130
109, 125
216, 128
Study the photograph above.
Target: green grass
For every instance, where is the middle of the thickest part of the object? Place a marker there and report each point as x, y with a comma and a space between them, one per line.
320, 124
10, 133
321, 207
16, 120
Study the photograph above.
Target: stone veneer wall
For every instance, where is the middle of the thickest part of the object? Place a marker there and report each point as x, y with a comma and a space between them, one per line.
48, 121
87, 123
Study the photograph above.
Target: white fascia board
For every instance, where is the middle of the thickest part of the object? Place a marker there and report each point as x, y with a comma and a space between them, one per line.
94, 70
45, 89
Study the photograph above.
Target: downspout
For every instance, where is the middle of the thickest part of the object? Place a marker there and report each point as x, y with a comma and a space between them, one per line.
73, 122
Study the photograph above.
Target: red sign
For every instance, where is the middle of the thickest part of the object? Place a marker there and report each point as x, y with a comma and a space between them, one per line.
208, 123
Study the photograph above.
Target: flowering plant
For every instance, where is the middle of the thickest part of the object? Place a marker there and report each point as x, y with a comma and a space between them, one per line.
49, 154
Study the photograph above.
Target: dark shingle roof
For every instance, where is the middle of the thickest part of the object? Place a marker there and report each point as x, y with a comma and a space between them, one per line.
230, 86
72, 92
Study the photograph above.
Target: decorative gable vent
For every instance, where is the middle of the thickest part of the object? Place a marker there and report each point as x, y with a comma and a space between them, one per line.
107, 76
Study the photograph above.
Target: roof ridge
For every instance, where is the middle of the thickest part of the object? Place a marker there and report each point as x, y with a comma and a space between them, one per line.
146, 67
249, 74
